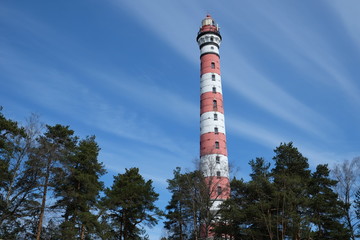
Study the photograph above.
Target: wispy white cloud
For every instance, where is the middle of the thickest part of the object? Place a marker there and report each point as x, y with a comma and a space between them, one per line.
248, 82
176, 22
348, 12
149, 94
253, 131
60, 91
240, 73
272, 138
69, 95
31, 32
293, 38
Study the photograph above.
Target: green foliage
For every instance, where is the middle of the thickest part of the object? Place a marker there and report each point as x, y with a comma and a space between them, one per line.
15, 186
188, 213
45, 161
78, 191
129, 204
291, 178
324, 207
286, 202
357, 210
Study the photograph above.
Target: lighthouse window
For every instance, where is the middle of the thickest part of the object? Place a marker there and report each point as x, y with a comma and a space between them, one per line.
213, 77
216, 130
215, 117
217, 145
212, 48
214, 89
211, 39
215, 105
219, 190
217, 158
218, 174
212, 65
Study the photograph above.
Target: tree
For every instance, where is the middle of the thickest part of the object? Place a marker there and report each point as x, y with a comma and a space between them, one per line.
177, 213
286, 202
291, 176
9, 132
347, 174
78, 192
189, 214
250, 211
325, 208
357, 207
16, 186
234, 219
129, 205
45, 161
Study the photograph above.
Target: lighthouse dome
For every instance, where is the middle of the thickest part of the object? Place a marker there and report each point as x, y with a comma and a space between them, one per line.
208, 21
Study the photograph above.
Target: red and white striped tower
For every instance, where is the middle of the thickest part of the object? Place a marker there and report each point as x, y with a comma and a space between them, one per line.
213, 151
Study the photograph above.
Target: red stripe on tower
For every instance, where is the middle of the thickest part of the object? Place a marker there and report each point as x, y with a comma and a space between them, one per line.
213, 150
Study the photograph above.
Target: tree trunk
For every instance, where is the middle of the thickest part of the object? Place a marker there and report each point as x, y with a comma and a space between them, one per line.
82, 233
43, 203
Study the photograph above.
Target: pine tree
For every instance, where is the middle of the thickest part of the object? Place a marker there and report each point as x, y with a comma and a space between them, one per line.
56, 145
79, 189
177, 213
250, 211
129, 204
234, 219
325, 208
291, 178
16, 186
357, 210
188, 212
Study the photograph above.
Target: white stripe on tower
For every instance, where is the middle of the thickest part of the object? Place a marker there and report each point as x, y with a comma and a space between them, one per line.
213, 151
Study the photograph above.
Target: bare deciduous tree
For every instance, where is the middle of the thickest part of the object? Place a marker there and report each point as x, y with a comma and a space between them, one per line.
347, 174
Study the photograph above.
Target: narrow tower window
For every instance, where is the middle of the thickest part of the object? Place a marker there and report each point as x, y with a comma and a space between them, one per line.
218, 174
217, 158
213, 77
214, 89
214, 105
215, 117
219, 190
217, 145
212, 65
216, 130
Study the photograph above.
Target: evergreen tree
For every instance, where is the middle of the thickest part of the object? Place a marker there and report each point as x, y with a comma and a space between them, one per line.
234, 220
325, 208
188, 213
250, 211
291, 177
56, 145
9, 131
177, 213
357, 211
16, 186
129, 205
79, 190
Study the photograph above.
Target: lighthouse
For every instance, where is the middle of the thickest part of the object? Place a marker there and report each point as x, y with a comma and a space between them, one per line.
213, 151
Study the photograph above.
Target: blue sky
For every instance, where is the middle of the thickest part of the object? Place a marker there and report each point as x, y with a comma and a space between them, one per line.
128, 72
